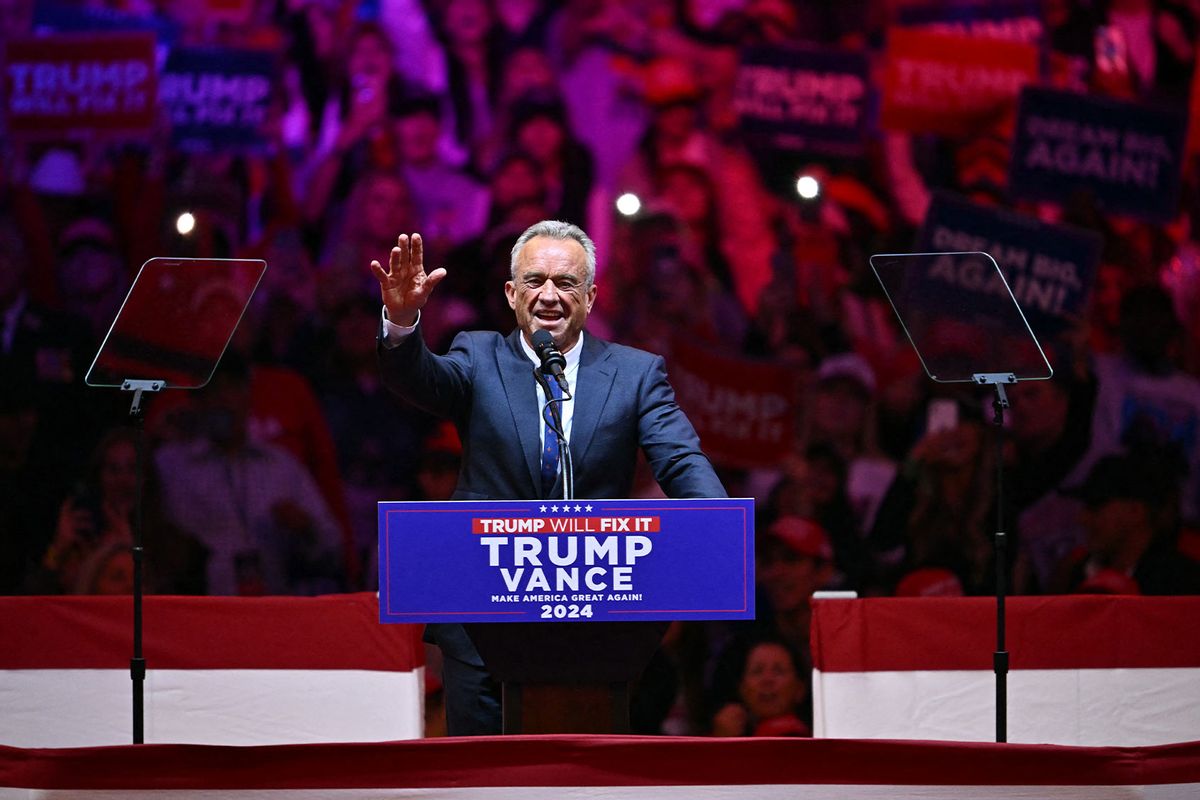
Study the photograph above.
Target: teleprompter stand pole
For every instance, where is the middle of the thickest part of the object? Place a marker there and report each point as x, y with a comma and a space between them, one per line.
1000, 657
137, 664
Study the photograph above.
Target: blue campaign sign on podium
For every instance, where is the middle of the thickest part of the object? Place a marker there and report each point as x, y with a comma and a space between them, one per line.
535, 560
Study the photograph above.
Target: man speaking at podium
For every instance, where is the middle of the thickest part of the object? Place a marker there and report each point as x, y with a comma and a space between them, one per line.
621, 401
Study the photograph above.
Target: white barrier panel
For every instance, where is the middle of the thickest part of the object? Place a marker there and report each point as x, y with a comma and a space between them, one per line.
1085, 670
242, 671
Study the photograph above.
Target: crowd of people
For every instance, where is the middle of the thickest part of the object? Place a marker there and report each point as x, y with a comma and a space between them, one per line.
467, 121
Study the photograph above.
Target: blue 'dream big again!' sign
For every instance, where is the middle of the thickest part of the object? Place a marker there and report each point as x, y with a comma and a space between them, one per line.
535, 560
1128, 156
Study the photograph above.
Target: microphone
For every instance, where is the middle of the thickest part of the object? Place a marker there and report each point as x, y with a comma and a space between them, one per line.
552, 360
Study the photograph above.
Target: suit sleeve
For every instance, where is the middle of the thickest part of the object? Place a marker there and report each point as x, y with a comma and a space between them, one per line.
440, 385
670, 442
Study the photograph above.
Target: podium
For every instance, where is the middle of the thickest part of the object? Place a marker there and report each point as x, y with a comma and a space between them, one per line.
566, 602
572, 677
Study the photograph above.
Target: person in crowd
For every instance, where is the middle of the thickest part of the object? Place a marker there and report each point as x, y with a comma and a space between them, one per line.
518, 190
91, 273
450, 204
98, 517
666, 294
472, 43
793, 559
1050, 424
813, 487
937, 510
540, 128
770, 693
380, 441
527, 73
32, 481
526, 24
517, 193
486, 381
678, 135
1144, 400
796, 560
379, 201
688, 193
253, 505
285, 306
1131, 532
841, 414
46, 352
298, 425
355, 134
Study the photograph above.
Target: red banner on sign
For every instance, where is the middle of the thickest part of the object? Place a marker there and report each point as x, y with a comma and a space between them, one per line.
75, 85
744, 410
953, 85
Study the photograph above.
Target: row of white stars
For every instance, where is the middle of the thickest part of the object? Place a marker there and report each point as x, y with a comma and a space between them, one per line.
565, 508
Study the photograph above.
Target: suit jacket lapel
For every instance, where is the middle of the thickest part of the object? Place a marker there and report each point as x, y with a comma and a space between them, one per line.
516, 372
592, 388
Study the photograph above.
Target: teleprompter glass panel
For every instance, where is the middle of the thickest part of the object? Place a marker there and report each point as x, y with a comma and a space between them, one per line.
176, 321
960, 315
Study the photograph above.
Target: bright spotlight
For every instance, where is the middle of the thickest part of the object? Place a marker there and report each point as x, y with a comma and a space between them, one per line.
808, 187
185, 223
628, 204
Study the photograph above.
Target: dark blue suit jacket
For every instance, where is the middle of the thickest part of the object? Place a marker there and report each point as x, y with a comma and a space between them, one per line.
485, 384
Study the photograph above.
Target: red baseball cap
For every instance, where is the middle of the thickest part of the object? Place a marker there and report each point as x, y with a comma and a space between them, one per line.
803, 537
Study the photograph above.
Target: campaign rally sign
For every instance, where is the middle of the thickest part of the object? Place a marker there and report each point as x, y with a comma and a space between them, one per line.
951, 84
810, 99
1128, 156
743, 409
1014, 20
217, 98
582, 560
76, 85
53, 17
229, 11
1050, 268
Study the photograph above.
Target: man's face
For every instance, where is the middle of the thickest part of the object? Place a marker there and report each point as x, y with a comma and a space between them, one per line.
550, 291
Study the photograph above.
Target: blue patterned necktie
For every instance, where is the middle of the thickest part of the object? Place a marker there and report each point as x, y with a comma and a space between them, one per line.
550, 451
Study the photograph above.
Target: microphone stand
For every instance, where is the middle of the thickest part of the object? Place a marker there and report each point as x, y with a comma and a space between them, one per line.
566, 466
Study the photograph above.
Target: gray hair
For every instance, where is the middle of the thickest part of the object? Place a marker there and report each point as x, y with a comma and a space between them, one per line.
554, 229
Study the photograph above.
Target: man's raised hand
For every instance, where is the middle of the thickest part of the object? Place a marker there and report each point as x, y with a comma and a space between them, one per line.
404, 285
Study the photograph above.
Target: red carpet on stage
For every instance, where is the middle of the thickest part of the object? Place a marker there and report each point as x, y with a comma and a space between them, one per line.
604, 767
